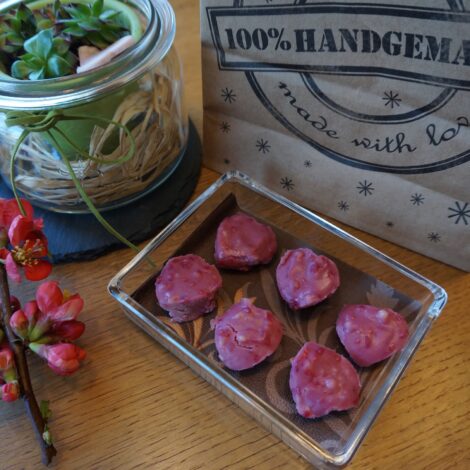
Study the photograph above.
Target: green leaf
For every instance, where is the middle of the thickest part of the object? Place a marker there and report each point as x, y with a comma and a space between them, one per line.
57, 67
14, 40
20, 69
46, 436
81, 10
16, 25
45, 23
108, 15
110, 36
40, 44
97, 7
71, 59
25, 14
33, 62
91, 24
27, 57
46, 412
60, 46
75, 31
38, 74
97, 40
57, 7
67, 21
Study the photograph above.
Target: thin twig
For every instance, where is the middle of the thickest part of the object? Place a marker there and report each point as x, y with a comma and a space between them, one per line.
26, 388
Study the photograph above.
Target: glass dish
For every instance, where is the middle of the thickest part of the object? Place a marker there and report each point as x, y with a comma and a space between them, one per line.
367, 276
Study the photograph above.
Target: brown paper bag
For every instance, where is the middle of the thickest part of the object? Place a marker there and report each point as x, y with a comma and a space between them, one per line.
359, 111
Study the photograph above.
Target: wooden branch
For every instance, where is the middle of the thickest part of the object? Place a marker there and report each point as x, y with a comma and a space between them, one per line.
26, 388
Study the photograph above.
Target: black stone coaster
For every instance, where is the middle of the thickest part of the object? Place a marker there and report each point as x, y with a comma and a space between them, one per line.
80, 237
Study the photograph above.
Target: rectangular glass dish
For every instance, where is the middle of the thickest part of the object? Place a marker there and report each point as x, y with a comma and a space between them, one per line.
367, 276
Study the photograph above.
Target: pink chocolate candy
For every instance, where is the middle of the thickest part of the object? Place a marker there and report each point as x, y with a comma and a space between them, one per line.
371, 334
245, 335
187, 286
305, 278
243, 242
321, 381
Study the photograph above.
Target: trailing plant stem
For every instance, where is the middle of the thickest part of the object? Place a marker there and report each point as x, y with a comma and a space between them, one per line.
20, 140
88, 201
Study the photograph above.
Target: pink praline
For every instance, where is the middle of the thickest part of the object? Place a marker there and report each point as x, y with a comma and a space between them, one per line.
246, 335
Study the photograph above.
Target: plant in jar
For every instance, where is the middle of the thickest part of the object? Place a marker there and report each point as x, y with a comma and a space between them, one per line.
101, 150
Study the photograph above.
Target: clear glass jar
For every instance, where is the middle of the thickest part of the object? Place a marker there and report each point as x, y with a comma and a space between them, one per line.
141, 89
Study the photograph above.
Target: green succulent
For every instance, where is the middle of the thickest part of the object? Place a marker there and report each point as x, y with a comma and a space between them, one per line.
91, 23
41, 41
16, 28
46, 57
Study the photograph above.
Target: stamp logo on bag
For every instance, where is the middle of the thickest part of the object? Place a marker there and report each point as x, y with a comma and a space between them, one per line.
307, 64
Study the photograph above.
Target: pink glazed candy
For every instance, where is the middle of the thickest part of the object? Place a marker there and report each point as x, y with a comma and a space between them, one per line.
187, 287
305, 279
322, 381
246, 335
242, 242
371, 334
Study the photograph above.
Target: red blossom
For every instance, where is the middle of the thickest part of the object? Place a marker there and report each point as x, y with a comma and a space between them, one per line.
9, 210
62, 358
10, 391
6, 359
29, 247
25, 228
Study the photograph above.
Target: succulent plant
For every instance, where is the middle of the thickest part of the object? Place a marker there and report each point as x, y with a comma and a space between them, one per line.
42, 42
16, 28
91, 23
46, 57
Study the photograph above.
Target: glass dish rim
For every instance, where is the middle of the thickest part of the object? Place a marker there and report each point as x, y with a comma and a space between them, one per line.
198, 359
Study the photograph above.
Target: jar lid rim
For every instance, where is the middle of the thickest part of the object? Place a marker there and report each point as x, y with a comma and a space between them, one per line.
64, 92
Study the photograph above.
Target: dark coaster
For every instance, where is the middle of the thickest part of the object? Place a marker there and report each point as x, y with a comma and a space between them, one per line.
80, 237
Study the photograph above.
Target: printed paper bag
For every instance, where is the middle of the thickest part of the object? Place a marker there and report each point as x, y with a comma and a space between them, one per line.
357, 110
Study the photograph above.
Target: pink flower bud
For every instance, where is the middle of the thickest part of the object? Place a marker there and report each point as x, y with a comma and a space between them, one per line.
10, 391
69, 310
19, 323
6, 358
62, 358
12, 268
49, 296
54, 305
31, 311
67, 330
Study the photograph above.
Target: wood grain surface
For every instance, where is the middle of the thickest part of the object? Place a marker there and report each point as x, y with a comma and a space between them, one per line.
134, 406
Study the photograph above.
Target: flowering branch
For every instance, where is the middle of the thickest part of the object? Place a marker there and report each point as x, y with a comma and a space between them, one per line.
26, 388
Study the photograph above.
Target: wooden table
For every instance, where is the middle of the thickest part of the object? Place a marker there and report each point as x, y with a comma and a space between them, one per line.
134, 406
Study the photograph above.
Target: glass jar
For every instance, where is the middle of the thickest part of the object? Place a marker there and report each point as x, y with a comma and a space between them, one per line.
138, 92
